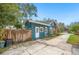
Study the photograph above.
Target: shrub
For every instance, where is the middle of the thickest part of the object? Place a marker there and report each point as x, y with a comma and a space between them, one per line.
73, 39
1, 34
74, 28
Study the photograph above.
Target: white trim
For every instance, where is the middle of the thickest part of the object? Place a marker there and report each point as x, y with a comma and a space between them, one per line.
38, 22
37, 32
46, 29
41, 29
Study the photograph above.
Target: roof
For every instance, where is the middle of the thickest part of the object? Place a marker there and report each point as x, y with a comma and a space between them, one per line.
38, 22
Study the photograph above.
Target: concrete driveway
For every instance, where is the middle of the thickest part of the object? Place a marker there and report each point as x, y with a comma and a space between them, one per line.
55, 46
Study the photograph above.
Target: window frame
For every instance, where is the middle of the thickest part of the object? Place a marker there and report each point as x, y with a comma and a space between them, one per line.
41, 29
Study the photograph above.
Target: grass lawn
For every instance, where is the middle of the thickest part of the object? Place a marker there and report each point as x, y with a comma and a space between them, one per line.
73, 39
3, 49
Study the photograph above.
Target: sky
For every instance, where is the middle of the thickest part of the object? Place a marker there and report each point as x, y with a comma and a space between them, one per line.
62, 12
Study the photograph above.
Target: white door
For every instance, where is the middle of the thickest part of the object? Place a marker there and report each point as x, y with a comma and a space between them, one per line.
37, 32
46, 31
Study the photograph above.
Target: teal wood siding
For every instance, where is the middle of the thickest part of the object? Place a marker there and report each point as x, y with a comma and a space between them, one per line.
42, 35
48, 31
28, 26
31, 26
33, 31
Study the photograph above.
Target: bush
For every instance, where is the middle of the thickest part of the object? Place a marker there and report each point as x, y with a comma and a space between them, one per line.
74, 28
18, 25
73, 39
1, 34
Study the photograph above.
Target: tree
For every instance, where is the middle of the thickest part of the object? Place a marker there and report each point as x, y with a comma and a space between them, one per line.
74, 28
18, 25
28, 10
61, 27
8, 14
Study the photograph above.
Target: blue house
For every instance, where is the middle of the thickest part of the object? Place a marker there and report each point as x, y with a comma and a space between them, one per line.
39, 30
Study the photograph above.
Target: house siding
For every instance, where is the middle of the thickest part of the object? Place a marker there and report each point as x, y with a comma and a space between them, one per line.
31, 26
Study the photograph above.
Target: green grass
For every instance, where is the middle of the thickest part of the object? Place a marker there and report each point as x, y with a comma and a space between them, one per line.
73, 39
3, 49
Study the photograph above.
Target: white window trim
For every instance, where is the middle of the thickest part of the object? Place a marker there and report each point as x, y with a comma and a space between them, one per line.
46, 30
36, 31
41, 29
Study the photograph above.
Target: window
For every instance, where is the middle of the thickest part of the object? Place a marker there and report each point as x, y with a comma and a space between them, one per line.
41, 29
37, 29
46, 30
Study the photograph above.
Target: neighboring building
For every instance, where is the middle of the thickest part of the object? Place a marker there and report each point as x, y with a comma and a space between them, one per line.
39, 30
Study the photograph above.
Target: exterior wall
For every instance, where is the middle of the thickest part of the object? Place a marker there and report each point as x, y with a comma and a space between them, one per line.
42, 33
31, 26
51, 30
33, 31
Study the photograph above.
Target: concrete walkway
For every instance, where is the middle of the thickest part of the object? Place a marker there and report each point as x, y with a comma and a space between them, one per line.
55, 46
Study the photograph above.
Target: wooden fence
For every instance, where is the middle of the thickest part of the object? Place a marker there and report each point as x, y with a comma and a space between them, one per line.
19, 35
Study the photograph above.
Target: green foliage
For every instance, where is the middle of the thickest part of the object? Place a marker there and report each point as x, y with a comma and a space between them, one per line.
73, 39
74, 28
61, 27
30, 10
8, 13
18, 25
1, 34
